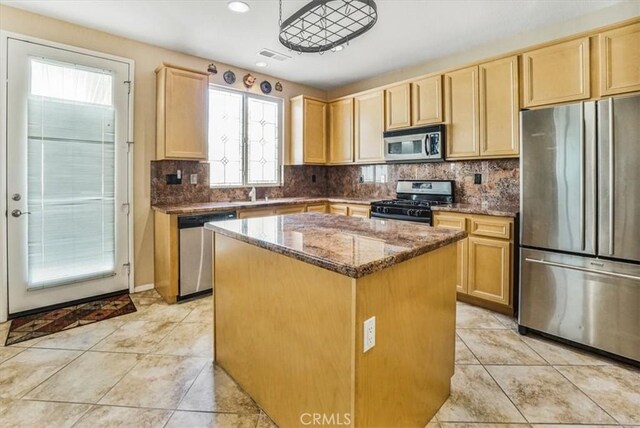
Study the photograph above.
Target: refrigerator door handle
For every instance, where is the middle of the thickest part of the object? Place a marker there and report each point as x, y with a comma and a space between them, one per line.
582, 178
611, 178
583, 269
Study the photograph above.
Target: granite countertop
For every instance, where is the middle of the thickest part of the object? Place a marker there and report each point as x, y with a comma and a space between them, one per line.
503, 210
351, 246
207, 207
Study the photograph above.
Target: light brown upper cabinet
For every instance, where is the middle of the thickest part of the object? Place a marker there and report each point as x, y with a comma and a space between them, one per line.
341, 131
369, 125
397, 106
461, 102
620, 60
182, 117
308, 130
557, 73
499, 108
426, 101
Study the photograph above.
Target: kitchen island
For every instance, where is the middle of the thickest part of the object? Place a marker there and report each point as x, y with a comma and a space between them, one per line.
291, 297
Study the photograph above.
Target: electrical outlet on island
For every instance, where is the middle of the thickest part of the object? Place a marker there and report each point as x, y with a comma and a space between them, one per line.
369, 338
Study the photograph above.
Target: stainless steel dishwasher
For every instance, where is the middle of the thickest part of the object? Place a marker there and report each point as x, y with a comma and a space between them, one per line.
195, 252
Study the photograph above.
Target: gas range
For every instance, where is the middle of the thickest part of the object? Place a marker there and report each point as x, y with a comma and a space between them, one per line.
414, 200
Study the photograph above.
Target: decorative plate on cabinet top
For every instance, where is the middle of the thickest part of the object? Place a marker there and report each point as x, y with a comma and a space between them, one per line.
265, 87
278, 86
229, 77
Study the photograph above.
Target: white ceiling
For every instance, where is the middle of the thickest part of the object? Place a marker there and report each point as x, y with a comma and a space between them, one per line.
408, 32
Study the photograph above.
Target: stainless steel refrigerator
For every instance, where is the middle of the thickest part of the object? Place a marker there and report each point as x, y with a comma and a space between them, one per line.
580, 223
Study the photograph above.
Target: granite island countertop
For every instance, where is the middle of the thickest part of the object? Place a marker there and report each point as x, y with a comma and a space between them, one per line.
351, 246
207, 207
502, 210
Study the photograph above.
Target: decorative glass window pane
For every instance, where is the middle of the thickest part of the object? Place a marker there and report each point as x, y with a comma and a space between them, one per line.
71, 196
262, 142
225, 138
232, 115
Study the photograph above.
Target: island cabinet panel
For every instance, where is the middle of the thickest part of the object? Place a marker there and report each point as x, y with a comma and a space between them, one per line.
166, 258
308, 131
557, 73
317, 208
485, 259
340, 209
182, 116
426, 101
499, 107
303, 344
369, 126
341, 131
461, 100
620, 60
397, 106
359, 211
421, 376
304, 353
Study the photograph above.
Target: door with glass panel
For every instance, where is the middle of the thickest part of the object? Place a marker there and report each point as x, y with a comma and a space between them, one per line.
67, 175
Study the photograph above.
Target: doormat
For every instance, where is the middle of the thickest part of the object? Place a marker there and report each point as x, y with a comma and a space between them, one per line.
46, 323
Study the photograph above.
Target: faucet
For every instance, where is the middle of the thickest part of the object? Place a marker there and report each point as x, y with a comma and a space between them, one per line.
252, 194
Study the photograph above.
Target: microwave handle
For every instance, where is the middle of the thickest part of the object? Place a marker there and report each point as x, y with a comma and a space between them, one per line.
427, 143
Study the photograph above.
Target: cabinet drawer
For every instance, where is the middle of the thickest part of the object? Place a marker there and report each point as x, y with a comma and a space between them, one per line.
290, 210
338, 209
358, 211
317, 208
450, 221
256, 213
492, 227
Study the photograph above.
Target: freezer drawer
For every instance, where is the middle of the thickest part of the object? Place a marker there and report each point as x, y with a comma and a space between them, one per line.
582, 299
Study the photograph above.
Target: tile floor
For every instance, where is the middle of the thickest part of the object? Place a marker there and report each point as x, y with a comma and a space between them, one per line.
153, 368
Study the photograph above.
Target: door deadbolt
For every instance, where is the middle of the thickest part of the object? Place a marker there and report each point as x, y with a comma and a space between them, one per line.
16, 197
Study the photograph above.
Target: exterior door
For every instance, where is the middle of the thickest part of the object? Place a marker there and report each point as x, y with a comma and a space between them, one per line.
67, 169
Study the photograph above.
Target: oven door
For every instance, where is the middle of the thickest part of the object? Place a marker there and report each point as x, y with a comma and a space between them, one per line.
405, 147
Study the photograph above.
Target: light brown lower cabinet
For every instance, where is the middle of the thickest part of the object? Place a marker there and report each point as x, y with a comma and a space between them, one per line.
296, 209
340, 209
485, 259
252, 213
317, 208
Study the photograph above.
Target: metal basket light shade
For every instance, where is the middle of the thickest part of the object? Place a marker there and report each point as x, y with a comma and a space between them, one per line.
322, 25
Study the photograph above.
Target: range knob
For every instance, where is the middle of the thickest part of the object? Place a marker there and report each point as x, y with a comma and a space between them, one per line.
418, 213
411, 211
385, 210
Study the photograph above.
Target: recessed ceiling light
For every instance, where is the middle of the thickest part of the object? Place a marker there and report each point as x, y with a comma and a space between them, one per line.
337, 48
238, 6
261, 64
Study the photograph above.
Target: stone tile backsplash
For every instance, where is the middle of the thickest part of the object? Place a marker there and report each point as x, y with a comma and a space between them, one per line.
500, 181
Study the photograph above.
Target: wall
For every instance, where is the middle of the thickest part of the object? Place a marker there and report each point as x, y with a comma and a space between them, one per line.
603, 17
147, 58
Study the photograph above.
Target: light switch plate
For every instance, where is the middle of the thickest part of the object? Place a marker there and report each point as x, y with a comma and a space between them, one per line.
194, 178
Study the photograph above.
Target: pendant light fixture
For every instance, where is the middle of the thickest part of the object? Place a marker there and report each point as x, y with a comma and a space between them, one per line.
323, 25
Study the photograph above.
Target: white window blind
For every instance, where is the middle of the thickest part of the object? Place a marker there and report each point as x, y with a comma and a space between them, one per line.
245, 140
71, 183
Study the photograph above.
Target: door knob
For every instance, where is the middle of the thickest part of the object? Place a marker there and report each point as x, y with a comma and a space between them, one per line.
18, 213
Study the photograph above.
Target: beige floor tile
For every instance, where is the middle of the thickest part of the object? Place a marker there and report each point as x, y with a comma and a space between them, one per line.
264, 421
86, 379
123, 417
468, 316
7, 352
475, 397
162, 312
136, 336
193, 339
499, 347
480, 425
464, 354
216, 391
42, 414
433, 425
559, 354
81, 338
202, 312
158, 381
570, 426
615, 389
507, 321
544, 396
29, 368
5, 403
183, 419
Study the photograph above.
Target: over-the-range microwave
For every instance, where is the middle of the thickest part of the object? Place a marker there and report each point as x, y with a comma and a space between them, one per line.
424, 144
